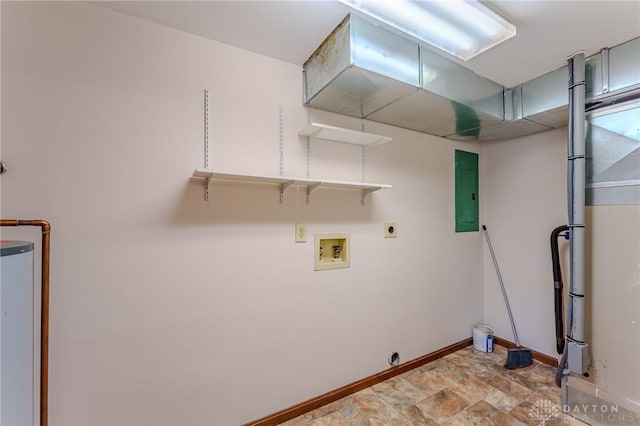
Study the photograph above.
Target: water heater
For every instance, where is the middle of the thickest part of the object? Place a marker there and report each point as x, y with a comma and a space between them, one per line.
16, 333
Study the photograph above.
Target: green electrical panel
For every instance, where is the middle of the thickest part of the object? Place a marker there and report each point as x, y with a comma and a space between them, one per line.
467, 199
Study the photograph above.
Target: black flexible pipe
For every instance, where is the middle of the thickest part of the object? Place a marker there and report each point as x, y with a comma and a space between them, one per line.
561, 366
558, 287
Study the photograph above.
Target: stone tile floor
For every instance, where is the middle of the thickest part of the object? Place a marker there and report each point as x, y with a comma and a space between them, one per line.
463, 388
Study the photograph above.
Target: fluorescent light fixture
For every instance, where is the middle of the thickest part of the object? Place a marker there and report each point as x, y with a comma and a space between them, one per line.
463, 28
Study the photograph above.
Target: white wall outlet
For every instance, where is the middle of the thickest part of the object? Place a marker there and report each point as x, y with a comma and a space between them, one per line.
390, 229
301, 233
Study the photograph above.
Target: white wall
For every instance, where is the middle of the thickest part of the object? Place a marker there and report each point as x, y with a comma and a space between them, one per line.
166, 309
524, 200
613, 280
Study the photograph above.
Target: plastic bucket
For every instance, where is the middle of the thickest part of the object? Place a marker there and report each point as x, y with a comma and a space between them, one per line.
482, 337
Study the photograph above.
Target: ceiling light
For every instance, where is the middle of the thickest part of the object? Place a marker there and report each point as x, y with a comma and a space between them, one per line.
463, 28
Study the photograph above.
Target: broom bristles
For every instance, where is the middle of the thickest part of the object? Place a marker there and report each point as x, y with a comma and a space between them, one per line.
518, 358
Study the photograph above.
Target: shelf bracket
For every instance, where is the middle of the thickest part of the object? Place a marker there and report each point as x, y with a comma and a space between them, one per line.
310, 188
283, 187
364, 193
206, 188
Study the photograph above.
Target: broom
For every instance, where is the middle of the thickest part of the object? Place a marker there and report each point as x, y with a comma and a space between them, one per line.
518, 357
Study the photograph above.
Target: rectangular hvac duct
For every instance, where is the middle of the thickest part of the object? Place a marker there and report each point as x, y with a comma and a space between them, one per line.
360, 68
452, 101
545, 99
366, 71
613, 70
624, 65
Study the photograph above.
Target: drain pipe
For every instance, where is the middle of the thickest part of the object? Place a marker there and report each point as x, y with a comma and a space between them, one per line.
558, 287
575, 357
44, 311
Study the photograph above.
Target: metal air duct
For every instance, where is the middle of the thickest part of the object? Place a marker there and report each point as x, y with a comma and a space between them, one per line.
366, 71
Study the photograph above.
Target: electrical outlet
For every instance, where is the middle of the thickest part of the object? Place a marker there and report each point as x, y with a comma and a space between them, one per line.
390, 230
301, 233
394, 359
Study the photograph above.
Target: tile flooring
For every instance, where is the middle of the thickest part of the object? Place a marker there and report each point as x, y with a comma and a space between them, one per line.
463, 388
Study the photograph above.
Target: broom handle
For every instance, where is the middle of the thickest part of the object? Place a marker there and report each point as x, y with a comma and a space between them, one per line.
504, 292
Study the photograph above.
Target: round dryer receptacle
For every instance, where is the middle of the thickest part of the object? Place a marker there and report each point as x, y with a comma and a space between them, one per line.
394, 358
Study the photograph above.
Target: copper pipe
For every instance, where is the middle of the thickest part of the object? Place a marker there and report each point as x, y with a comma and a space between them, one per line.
44, 311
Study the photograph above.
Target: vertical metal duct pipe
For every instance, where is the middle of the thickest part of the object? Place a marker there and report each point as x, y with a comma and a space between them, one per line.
44, 312
575, 358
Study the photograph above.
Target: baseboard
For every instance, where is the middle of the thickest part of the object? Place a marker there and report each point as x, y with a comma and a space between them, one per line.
546, 359
334, 395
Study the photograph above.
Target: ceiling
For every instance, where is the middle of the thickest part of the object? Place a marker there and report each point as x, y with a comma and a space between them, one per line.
547, 31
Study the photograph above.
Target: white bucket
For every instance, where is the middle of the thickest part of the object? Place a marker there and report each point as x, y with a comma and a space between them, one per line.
482, 337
